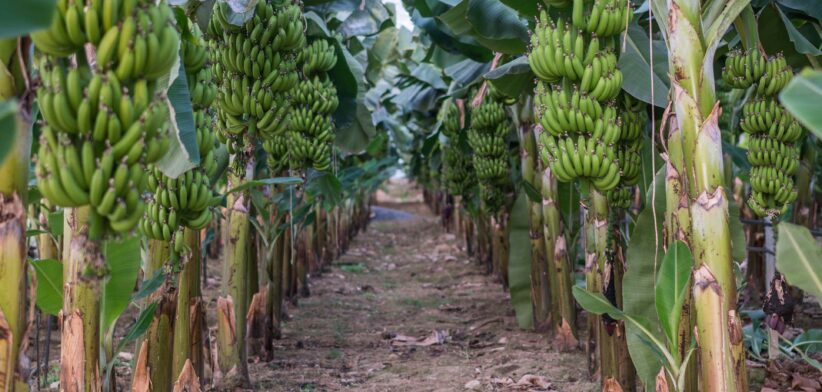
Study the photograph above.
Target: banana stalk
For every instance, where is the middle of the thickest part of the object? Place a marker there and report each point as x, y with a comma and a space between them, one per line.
540, 286
563, 308
13, 185
232, 305
188, 334
155, 356
678, 226
718, 326
84, 269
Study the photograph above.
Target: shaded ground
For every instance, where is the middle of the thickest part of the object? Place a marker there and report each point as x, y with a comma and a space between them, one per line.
406, 278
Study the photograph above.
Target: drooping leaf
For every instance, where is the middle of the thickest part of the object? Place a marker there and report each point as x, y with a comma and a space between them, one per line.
356, 136
802, 44
672, 288
427, 73
347, 76
49, 285
519, 262
799, 258
497, 26
315, 25
365, 20
636, 65
22, 17
8, 127
802, 96
512, 78
123, 261
183, 154
774, 37
596, 303
810, 8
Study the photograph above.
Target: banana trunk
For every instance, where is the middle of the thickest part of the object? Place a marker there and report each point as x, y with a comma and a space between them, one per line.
188, 334
232, 305
540, 288
563, 308
84, 268
718, 326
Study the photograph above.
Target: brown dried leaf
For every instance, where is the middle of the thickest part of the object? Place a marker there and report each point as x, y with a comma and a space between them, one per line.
188, 380
435, 337
611, 385
142, 380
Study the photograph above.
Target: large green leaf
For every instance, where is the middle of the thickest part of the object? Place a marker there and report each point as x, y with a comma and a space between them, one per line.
810, 8
775, 38
23, 17
123, 261
802, 96
8, 127
347, 75
455, 19
466, 72
513, 78
183, 154
635, 63
802, 44
49, 285
524, 7
365, 20
354, 138
672, 288
644, 255
596, 303
799, 258
497, 26
427, 73
519, 262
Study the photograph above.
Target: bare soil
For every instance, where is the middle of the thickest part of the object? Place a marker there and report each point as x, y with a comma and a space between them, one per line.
407, 310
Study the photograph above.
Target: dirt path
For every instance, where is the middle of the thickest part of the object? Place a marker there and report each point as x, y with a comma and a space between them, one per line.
407, 278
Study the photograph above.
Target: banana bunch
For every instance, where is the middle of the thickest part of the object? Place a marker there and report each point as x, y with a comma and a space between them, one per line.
458, 175
563, 111
773, 131
764, 151
486, 136
585, 158
601, 17
318, 57
276, 147
176, 203
450, 117
255, 67
104, 116
776, 77
311, 129
134, 38
742, 69
765, 115
620, 197
561, 51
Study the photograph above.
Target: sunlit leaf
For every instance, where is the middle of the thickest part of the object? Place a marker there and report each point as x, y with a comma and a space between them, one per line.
802, 96
799, 258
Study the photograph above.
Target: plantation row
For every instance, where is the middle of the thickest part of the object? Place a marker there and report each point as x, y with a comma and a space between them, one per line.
594, 154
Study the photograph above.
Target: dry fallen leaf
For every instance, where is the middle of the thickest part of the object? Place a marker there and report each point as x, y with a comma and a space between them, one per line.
435, 337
